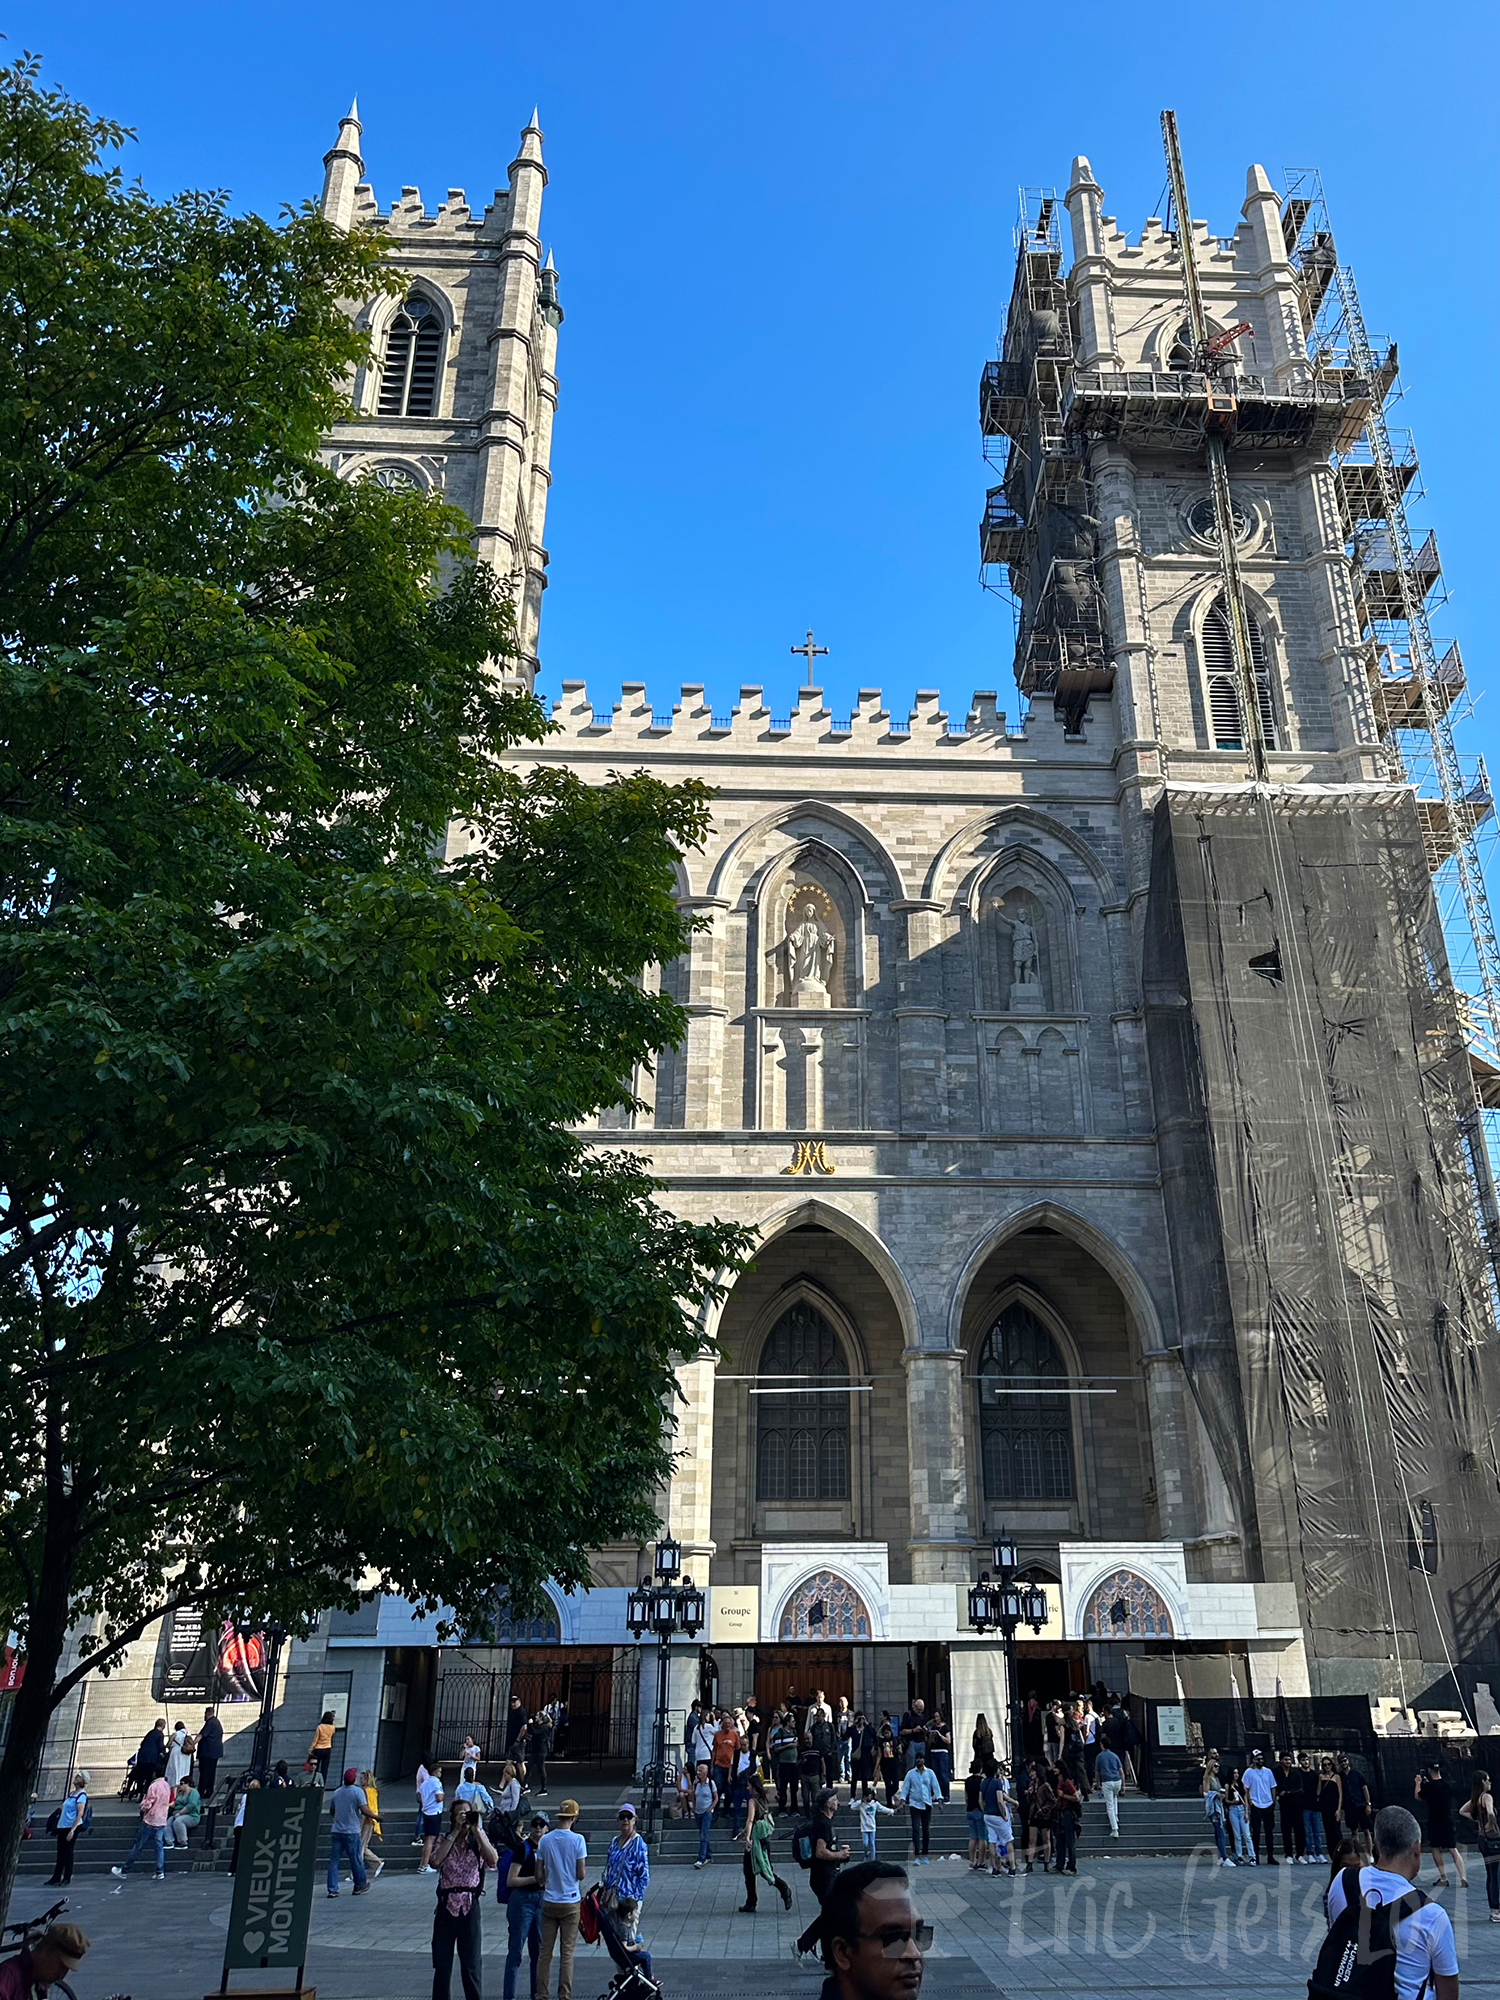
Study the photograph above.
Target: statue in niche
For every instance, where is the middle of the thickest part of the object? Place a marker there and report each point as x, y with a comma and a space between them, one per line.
1025, 963
810, 947
1026, 969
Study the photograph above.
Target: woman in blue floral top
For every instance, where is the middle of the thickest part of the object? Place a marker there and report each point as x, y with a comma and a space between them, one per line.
627, 1870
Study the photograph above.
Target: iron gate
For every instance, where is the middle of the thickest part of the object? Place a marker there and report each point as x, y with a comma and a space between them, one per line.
601, 1696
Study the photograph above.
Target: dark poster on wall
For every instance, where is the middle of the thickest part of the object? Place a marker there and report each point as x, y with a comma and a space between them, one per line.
184, 1667
212, 1666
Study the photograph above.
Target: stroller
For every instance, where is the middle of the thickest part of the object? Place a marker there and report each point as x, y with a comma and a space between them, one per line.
631, 1981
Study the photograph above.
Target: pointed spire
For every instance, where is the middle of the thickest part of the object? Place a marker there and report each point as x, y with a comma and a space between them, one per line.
530, 155
343, 170
536, 123
549, 265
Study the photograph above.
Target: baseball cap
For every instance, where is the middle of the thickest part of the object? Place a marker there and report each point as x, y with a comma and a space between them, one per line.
626, 1812
540, 1819
351, 1776
569, 1809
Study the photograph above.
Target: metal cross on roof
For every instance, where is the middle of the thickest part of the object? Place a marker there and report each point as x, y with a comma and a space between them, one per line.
810, 651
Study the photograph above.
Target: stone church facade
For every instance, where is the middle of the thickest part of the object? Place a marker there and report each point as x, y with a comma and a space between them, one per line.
1103, 1115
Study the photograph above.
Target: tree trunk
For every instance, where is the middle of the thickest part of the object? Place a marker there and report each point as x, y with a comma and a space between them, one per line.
30, 1719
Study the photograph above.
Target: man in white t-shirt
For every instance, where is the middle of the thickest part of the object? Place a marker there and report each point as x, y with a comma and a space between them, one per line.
1260, 1790
563, 1856
1423, 1938
430, 1793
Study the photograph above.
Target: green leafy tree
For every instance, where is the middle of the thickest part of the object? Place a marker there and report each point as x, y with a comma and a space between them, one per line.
304, 1272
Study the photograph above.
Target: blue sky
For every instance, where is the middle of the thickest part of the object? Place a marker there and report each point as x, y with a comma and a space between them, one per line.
784, 238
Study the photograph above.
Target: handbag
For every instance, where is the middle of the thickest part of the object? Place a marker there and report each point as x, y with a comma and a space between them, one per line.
588, 1917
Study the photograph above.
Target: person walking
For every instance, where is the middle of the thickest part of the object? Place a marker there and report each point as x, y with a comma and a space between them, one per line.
462, 1857
74, 1816
371, 1828
152, 1833
1109, 1776
760, 1827
627, 1866
1359, 1807
1260, 1791
349, 1809
920, 1792
564, 1856
823, 1871
1482, 1817
998, 1835
1420, 1930
518, 1890
1289, 1797
974, 1815
1239, 1833
430, 1792
843, 1729
320, 1750
538, 1748
184, 1813
867, 1809
1091, 1721
1433, 1789
210, 1754
726, 1748
517, 1715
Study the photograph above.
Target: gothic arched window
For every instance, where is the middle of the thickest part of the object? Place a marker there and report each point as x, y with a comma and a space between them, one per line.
1225, 720
1025, 1422
413, 348
802, 1431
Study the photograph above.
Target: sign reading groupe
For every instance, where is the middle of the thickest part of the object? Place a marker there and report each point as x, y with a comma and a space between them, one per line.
273, 1884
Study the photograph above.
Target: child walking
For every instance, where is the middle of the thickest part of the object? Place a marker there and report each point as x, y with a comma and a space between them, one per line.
867, 1811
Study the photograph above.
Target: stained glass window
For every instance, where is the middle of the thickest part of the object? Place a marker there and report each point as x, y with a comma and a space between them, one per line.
825, 1607
1025, 1422
802, 1432
1125, 1606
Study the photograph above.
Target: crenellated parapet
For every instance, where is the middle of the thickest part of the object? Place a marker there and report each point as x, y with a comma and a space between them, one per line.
408, 221
983, 726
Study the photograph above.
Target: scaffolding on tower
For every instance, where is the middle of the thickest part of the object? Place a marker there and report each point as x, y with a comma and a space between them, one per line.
1417, 694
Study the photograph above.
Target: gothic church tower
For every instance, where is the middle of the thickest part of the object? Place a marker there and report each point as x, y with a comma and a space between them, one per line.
462, 386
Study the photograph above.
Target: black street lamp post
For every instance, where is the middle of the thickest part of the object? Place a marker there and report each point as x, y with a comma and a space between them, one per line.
273, 1638
1003, 1605
664, 1606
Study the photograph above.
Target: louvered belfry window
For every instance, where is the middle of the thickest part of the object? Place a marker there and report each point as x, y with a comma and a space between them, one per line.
802, 1431
1225, 719
413, 349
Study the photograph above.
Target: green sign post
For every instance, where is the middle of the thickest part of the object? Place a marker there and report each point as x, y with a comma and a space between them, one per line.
273, 1883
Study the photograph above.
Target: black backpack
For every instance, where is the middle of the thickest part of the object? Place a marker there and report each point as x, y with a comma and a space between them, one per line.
803, 1841
1358, 1958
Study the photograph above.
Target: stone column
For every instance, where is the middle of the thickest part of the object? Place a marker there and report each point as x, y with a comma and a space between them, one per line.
703, 1051
938, 1455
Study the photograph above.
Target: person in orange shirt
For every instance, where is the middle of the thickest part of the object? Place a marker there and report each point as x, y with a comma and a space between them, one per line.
321, 1748
727, 1747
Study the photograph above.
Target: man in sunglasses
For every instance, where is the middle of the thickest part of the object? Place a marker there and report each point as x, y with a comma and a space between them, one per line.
874, 1943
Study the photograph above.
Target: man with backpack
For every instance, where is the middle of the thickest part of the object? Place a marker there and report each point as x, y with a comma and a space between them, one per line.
815, 1848
1385, 1940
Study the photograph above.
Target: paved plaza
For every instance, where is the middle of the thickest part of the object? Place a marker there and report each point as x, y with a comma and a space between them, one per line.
1123, 1927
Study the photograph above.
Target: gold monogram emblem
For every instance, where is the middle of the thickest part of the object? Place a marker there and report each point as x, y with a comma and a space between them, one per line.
811, 1157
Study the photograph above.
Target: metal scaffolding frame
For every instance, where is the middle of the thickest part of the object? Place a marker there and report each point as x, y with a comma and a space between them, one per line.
1418, 695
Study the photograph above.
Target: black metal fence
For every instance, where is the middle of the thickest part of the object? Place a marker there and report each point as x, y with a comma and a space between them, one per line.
601, 1697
